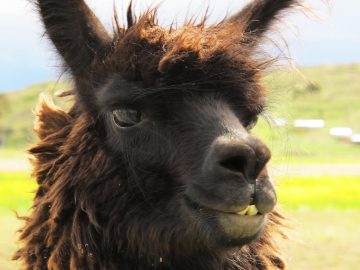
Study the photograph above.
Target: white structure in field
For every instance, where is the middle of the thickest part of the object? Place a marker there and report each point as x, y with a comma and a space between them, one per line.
341, 132
309, 123
355, 138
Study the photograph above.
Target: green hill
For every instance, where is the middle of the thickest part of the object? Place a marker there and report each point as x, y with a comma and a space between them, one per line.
331, 93
17, 117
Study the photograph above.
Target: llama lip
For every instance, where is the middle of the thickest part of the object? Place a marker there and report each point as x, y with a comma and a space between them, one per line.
230, 228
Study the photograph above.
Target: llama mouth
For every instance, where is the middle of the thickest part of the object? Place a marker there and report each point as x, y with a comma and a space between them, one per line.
250, 210
229, 229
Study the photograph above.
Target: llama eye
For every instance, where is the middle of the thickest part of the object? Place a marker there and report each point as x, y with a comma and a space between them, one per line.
125, 118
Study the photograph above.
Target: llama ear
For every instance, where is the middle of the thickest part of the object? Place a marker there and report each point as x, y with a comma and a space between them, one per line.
74, 30
257, 17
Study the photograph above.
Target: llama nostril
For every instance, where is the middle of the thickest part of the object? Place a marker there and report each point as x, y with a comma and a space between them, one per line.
235, 164
245, 157
240, 164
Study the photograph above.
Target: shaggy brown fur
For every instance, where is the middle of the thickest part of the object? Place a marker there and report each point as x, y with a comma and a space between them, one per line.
110, 201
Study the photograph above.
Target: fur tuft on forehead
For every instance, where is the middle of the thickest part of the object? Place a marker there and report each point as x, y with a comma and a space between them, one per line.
171, 48
192, 57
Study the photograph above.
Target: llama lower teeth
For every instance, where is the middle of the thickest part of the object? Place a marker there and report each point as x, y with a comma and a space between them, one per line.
243, 212
252, 210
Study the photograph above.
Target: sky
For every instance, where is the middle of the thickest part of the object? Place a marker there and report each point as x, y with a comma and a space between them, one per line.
26, 57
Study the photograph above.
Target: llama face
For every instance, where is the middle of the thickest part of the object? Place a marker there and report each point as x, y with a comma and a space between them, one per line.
200, 141
156, 158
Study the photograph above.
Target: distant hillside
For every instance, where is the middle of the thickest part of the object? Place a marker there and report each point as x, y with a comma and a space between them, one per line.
16, 113
331, 93
326, 92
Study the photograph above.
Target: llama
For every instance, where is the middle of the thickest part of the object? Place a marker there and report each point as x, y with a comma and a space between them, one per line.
154, 166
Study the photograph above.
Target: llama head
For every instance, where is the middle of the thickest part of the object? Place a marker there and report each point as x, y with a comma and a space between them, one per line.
160, 132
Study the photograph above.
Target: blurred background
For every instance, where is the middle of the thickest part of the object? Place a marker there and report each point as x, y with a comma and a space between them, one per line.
312, 124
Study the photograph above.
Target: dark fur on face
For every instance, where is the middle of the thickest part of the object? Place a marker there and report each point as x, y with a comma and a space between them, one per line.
113, 197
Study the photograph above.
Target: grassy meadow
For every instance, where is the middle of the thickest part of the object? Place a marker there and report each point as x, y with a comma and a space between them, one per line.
323, 210
16, 192
331, 93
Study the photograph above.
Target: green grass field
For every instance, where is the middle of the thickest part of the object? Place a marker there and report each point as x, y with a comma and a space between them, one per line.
324, 214
16, 192
319, 193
